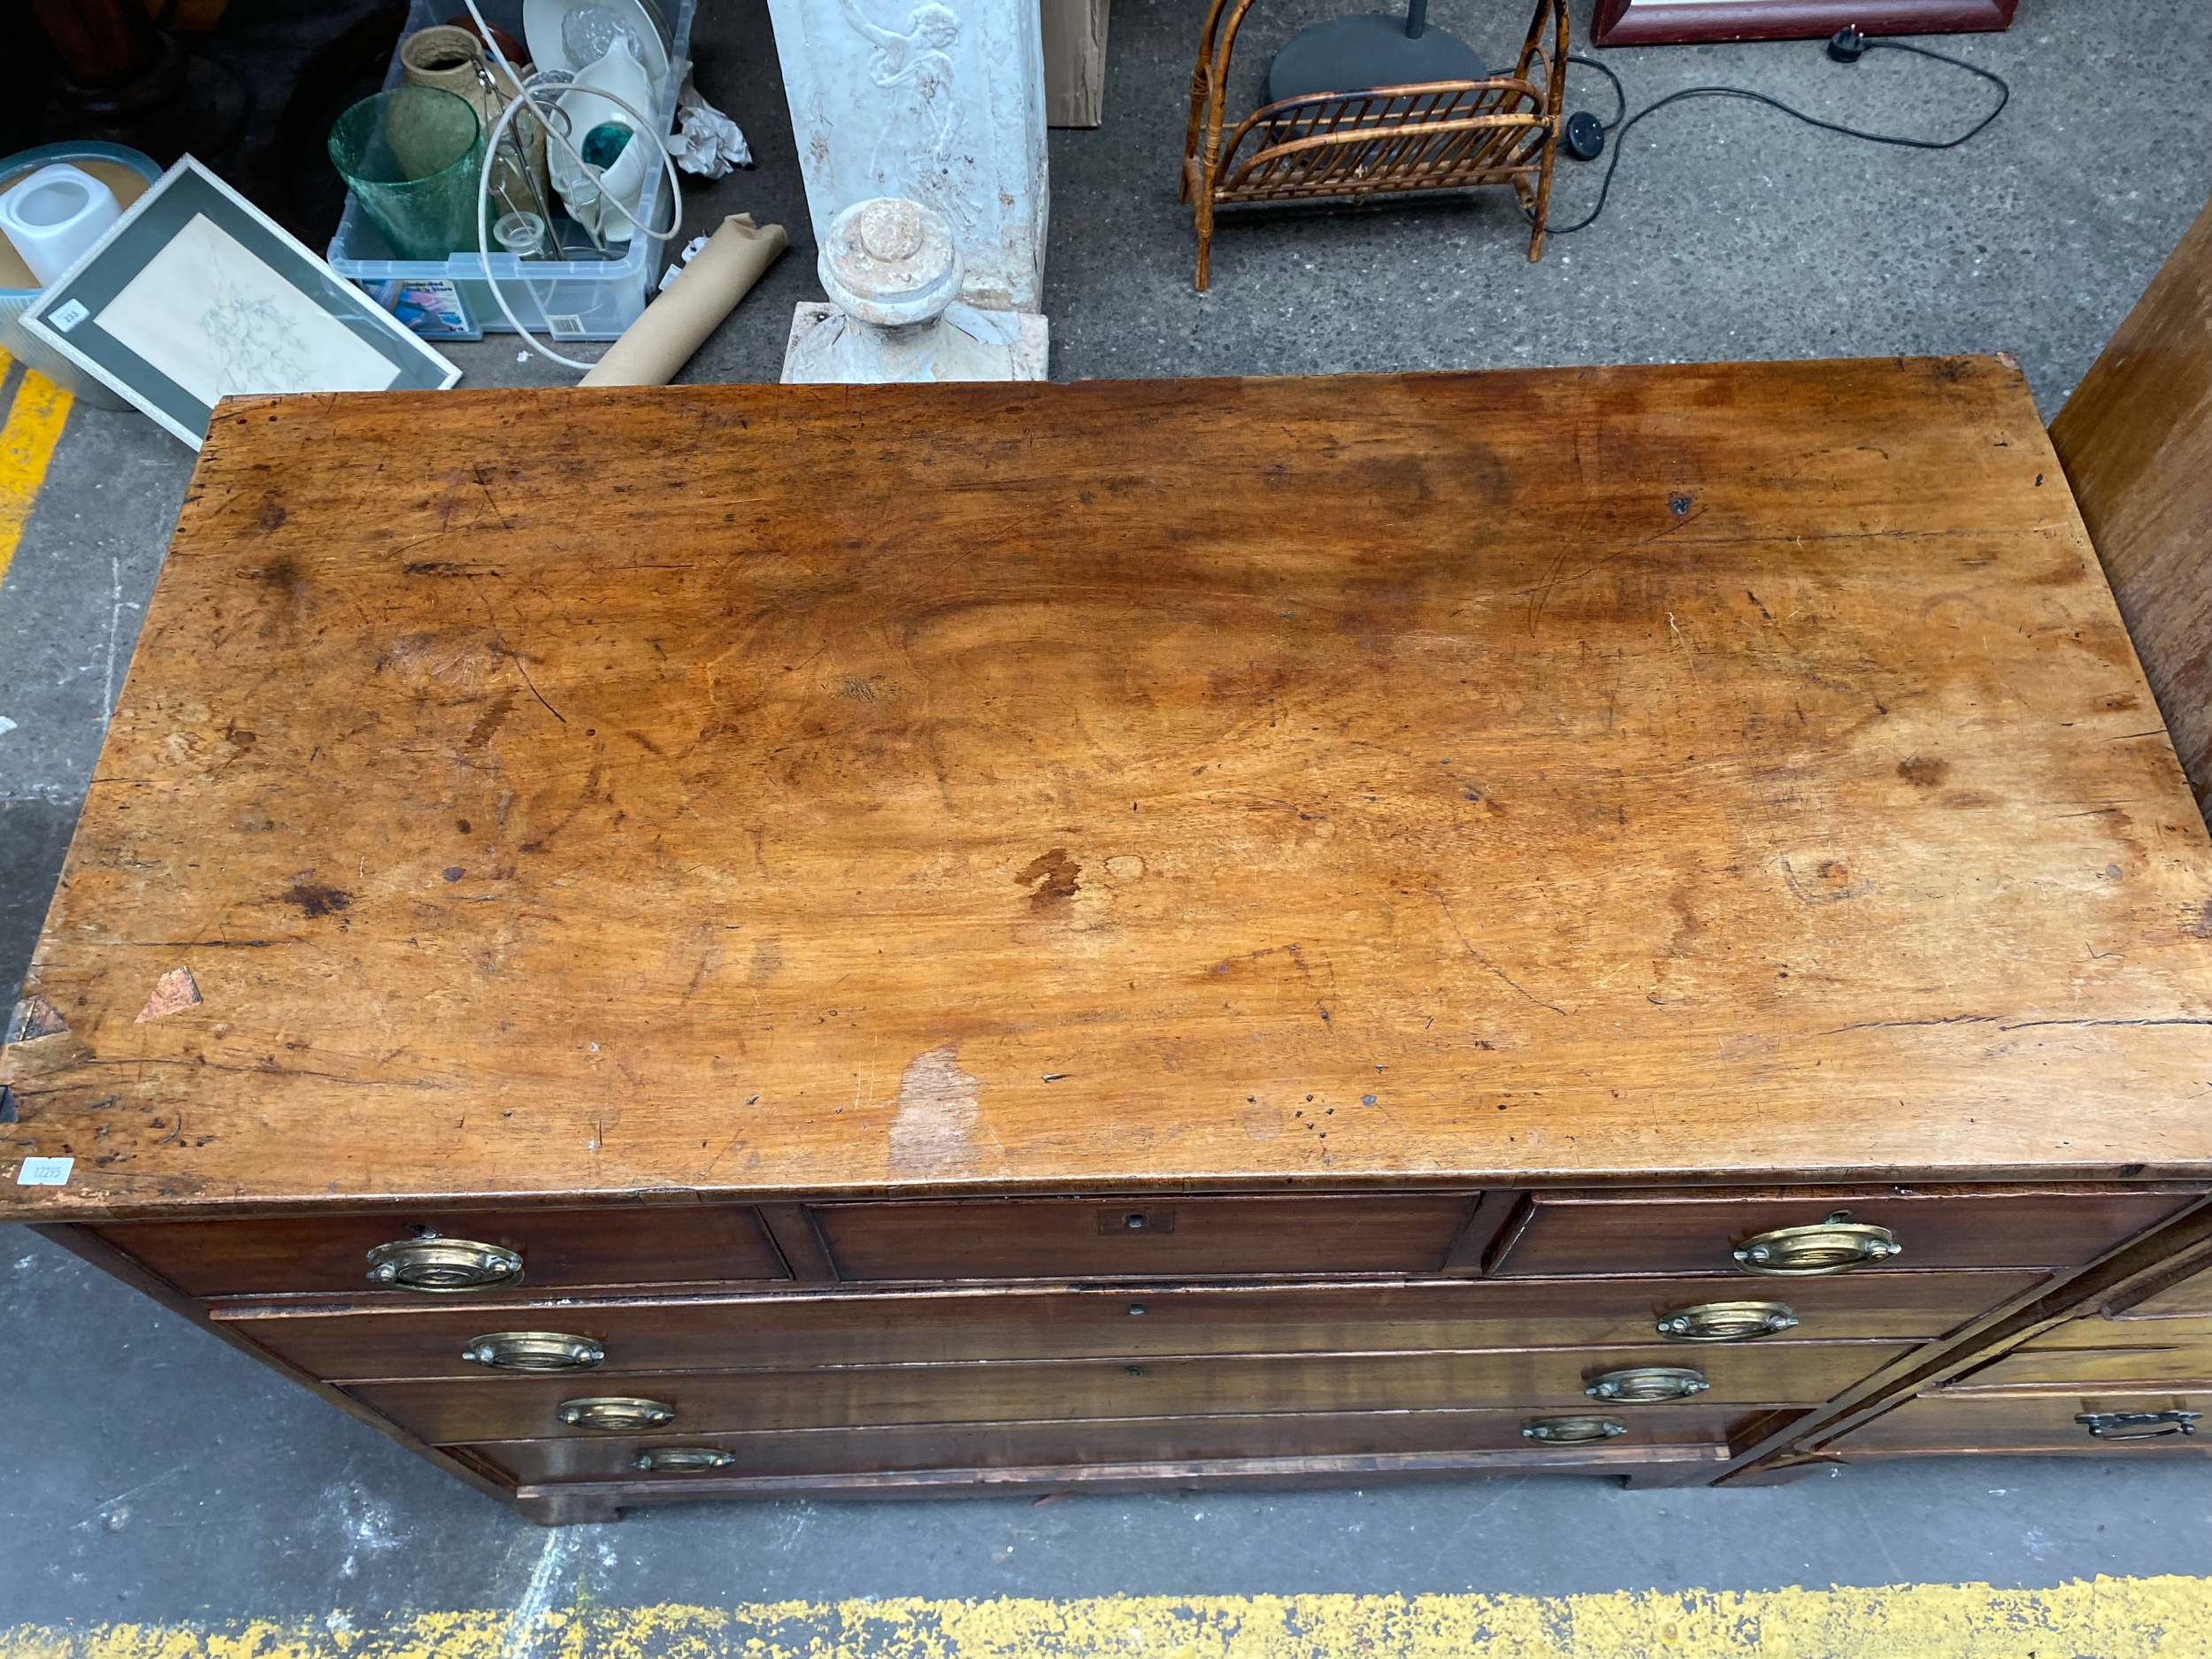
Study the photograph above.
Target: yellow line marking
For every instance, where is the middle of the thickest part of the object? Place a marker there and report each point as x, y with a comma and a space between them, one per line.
26, 445
2109, 1619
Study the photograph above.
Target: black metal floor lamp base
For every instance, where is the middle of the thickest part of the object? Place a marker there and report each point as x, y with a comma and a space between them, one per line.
1354, 53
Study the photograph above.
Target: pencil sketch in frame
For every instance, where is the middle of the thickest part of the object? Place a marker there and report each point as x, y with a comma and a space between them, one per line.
196, 295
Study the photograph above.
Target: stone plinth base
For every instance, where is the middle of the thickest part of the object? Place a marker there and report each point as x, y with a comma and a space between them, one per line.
964, 344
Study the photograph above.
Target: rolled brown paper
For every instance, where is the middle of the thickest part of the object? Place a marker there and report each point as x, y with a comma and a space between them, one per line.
677, 323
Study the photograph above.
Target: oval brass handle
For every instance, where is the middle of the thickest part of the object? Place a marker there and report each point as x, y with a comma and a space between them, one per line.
1835, 1246
683, 1460
1726, 1321
617, 1411
2138, 1426
1574, 1430
534, 1351
443, 1267
1647, 1385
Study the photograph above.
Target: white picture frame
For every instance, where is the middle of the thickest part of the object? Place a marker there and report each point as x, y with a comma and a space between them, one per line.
195, 294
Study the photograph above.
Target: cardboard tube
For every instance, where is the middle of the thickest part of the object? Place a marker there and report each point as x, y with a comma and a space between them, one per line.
677, 323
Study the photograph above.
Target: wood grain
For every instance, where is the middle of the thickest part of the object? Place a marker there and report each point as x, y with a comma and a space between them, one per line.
1676, 1232
2187, 1298
1146, 1439
1640, 23
941, 1327
563, 1504
1957, 1423
1697, 773
1547, 1379
1057, 1239
630, 1244
2136, 440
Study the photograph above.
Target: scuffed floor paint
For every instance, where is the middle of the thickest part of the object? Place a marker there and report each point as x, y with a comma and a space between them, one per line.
2107, 1618
32, 426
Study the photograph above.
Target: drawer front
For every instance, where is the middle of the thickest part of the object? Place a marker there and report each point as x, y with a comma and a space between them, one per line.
1148, 1439
2104, 1353
1174, 1238
1954, 1422
560, 1248
496, 1408
1595, 1232
2191, 1295
791, 1331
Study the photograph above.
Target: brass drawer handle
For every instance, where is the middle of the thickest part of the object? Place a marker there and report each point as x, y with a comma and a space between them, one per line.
1647, 1385
1726, 1321
443, 1267
683, 1460
1574, 1430
617, 1412
534, 1351
2138, 1426
1836, 1246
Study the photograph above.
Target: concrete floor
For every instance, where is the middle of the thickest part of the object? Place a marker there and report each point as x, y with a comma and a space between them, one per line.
149, 1473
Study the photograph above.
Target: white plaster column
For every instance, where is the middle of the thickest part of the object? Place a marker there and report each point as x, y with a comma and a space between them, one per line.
941, 102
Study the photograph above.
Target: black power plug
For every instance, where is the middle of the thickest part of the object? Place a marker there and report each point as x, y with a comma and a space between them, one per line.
1847, 45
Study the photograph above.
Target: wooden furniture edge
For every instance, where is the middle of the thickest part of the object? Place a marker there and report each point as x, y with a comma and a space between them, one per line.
798, 1239
108, 1259
1984, 1339
2131, 439
1507, 1198
555, 1504
1626, 23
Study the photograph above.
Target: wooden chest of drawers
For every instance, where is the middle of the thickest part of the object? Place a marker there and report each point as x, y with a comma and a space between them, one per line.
748, 941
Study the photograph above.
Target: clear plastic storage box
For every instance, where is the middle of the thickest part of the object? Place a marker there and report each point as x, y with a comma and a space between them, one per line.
449, 299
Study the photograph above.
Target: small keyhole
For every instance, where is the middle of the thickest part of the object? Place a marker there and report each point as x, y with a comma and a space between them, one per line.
1133, 1222
1135, 1370
1136, 1308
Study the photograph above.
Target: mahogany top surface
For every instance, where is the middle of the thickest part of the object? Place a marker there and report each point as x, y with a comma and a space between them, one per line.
1678, 774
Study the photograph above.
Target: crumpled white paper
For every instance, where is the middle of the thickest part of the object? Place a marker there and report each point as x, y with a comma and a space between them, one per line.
705, 141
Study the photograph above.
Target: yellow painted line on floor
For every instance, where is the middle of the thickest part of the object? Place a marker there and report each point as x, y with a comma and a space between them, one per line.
26, 445
2109, 1619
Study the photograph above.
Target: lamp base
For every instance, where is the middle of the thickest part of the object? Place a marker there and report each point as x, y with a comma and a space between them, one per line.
1352, 54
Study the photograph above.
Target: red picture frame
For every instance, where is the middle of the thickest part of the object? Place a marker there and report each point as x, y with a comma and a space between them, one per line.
1682, 22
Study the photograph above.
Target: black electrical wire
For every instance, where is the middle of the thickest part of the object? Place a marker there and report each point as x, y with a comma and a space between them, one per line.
1623, 122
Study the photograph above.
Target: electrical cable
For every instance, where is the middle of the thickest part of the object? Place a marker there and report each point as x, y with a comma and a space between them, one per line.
1623, 122
527, 95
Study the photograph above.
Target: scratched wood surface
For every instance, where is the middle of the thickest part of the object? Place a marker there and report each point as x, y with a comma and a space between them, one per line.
1682, 772
2136, 440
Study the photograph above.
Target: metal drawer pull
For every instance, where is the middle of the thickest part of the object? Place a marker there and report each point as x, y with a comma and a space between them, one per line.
1646, 1384
534, 1351
1574, 1430
1836, 1246
443, 1267
683, 1460
1726, 1321
617, 1411
2138, 1426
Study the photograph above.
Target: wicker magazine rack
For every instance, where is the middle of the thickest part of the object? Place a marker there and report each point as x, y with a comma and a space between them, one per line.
1440, 135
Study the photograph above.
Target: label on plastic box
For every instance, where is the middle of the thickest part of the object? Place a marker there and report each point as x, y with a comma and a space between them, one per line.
431, 306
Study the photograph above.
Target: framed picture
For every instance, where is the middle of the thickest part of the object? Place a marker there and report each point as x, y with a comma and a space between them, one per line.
1679, 22
195, 294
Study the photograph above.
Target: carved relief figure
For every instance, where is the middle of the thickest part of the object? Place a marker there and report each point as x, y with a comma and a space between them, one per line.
918, 152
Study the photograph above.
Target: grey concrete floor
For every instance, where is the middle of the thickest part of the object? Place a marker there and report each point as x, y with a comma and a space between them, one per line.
148, 1472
